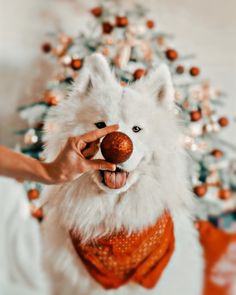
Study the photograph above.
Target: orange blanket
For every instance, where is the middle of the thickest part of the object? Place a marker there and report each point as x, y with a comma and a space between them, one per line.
141, 257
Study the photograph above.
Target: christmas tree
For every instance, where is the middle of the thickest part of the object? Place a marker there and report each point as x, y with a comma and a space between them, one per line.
134, 45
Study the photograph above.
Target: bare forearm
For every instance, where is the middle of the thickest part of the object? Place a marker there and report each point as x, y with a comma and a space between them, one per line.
21, 167
73, 160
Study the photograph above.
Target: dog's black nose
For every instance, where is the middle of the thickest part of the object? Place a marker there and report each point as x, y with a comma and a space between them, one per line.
118, 169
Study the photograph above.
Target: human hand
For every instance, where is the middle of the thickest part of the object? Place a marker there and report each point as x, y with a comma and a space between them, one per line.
76, 157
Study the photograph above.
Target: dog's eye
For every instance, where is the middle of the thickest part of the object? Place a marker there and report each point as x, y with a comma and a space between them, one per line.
100, 125
136, 129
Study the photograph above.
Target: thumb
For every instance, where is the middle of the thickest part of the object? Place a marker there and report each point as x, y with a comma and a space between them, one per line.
101, 165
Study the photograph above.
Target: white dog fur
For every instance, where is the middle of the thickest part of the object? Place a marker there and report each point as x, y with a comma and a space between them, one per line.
157, 181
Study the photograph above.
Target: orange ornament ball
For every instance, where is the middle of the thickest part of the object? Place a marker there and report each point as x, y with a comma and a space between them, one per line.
194, 71
195, 116
37, 213
122, 21
46, 47
150, 24
116, 147
51, 100
138, 74
107, 28
200, 190
224, 193
180, 69
33, 194
76, 64
96, 11
217, 153
171, 54
223, 121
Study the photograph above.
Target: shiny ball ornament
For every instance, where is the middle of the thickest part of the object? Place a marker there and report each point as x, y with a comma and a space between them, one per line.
171, 54
138, 74
180, 69
122, 21
96, 11
200, 190
150, 24
107, 28
33, 194
224, 193
217, 153
194, 71
116, 147
46, 47
195, 116
37, 213
76, 64
223, 121
51, 100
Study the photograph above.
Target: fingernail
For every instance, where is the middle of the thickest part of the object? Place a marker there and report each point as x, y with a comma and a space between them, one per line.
115, 125
113, 168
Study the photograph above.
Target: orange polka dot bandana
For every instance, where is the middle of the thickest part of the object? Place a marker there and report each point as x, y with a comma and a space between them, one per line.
119, 258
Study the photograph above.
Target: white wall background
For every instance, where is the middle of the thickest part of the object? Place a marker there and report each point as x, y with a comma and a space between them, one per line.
204, 27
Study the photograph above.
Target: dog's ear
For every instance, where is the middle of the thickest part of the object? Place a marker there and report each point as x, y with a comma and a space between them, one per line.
95, 72
159, 83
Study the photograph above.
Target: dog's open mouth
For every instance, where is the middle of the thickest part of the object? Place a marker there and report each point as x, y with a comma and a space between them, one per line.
114, 180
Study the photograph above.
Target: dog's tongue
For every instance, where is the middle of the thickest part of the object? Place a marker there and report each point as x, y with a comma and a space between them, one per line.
115, 180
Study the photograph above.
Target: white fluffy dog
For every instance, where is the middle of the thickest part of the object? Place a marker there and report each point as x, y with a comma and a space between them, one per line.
152, 181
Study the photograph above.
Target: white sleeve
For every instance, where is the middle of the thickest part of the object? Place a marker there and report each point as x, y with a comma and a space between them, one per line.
20, 245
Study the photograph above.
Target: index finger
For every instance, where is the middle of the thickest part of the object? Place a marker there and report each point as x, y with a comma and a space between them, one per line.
96, 134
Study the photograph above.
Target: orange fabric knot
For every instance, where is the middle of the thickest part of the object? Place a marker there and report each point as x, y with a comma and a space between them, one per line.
139, 257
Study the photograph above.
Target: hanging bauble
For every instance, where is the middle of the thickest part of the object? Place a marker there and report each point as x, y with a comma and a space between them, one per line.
96, 11
217, 153
33, 194
180, 69
37, 213
139, 73
122, 21
195, 116
200, 190
76, 64
223, 121
224, 193
194, 71
150, 24
51, 99
107, 28
46, 47
171, 54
